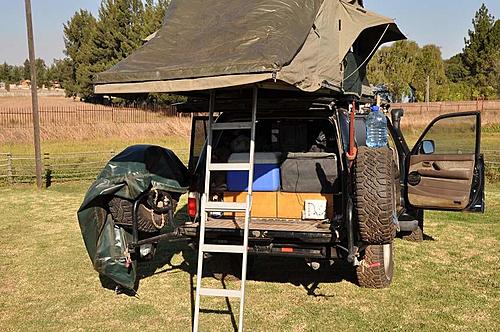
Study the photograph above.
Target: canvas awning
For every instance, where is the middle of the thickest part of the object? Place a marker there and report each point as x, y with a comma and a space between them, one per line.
206, 44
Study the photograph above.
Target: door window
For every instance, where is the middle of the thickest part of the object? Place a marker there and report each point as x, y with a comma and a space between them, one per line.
198, 138
452, 135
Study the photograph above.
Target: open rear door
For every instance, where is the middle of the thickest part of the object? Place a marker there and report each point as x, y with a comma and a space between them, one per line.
445, 168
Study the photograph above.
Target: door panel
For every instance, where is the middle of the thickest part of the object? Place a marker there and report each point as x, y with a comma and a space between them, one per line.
442, 169
440, 181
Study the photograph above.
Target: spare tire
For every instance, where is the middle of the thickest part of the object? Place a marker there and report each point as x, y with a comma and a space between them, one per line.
374, 195
148, 220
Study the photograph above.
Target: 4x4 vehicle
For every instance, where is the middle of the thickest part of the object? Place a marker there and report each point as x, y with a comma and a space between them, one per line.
310, 201
294, 68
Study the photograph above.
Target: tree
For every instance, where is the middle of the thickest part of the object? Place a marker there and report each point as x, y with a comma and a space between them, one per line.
455, 69
95, 45
395, 67
41, 72
79, 32
481, 53
430, 64
154, 14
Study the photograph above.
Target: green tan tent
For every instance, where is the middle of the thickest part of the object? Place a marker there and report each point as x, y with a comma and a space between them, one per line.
311, 45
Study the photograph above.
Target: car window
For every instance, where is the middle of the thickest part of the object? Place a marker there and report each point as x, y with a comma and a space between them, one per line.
453, 135
198, 137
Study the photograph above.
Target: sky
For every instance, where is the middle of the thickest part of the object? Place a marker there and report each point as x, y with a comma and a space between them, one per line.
441, 22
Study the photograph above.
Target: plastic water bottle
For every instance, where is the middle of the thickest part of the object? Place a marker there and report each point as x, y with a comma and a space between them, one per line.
376, 128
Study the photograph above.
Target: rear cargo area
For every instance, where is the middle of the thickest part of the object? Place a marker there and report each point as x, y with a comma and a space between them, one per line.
296, 179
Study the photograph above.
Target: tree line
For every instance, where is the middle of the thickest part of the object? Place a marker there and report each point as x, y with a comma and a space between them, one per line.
470, 74
47, 75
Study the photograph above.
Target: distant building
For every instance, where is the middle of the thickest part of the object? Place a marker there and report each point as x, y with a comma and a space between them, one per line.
25, 84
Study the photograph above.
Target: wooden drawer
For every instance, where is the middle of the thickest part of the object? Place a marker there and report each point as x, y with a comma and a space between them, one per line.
265, 204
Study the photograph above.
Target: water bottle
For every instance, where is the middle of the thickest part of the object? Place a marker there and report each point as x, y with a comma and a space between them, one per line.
376, 128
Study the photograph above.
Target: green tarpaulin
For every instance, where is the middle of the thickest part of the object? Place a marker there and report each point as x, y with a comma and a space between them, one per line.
135, 170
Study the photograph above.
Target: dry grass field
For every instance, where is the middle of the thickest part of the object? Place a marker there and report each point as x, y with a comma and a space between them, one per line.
25, 102
65, 119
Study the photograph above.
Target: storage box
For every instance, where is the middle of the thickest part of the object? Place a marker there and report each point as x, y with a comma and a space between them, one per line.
309, 172
266, 172
291, 205
265, 204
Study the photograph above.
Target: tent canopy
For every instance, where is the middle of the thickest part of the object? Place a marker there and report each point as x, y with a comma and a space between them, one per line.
206, 44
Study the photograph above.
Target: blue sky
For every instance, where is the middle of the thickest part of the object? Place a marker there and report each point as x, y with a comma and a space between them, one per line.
441, 22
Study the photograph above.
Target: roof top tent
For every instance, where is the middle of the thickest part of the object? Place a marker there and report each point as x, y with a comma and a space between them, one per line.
309, 46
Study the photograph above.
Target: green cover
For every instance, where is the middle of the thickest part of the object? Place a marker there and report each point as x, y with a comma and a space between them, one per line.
133, 171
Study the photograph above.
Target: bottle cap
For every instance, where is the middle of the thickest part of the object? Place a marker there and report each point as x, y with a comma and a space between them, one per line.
375, 108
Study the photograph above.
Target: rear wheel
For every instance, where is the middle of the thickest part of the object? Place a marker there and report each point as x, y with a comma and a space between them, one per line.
375, 195
417, 235
377, 266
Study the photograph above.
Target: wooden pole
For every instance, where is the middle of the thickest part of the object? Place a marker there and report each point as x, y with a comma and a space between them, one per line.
34, 95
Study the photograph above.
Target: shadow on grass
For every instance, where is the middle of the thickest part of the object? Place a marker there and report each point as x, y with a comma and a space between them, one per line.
227, 267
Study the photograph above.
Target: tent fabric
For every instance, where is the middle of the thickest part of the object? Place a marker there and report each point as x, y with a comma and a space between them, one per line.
302, 43
212, 37
203, 83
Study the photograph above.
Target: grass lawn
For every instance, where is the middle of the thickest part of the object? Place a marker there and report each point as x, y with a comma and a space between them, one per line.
449, 282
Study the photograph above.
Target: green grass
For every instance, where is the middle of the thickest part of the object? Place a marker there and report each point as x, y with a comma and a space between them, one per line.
449, 282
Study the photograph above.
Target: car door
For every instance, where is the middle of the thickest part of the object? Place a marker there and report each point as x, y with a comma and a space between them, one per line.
445, 170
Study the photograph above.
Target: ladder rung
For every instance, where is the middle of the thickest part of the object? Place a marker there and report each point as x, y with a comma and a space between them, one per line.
223, 248
230, 167
225, 207
231, 125
220, 292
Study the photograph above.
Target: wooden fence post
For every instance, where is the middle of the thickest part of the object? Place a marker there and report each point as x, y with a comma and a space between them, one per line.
10, 172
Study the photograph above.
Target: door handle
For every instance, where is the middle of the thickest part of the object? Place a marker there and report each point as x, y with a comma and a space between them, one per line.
426, 164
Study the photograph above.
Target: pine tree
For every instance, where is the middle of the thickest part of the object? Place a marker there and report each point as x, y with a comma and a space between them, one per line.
480, 53
79, 32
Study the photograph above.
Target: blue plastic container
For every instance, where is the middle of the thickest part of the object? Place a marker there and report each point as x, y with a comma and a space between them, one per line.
266, 172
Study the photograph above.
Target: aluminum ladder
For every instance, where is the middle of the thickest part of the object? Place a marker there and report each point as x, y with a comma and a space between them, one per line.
208, 206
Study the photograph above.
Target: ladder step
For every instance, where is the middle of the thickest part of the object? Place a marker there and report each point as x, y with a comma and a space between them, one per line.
222, 248
231, 125
230, 167
220, 292
225, 207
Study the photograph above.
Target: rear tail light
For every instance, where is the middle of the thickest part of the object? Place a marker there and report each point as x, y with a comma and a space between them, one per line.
192, 205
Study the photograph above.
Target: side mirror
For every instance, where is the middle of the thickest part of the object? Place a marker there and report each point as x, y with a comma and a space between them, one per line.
427, 147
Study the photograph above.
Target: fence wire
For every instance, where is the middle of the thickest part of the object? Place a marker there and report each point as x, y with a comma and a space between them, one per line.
61, 167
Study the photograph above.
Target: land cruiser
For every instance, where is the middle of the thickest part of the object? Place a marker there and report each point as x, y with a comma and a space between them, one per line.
278, 162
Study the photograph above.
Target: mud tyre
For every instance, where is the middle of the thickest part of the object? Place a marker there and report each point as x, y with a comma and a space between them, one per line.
374, 195
147, 220
415, 236
377, 266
